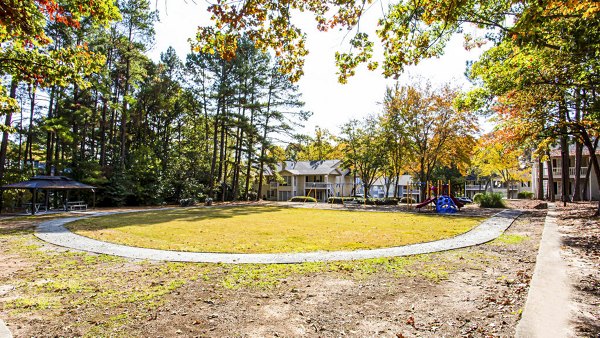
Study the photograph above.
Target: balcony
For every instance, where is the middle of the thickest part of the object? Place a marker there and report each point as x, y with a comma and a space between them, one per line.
475, 187
318, 185
557, 172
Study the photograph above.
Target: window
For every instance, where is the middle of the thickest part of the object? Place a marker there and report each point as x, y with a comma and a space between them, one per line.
287, 180
314, 178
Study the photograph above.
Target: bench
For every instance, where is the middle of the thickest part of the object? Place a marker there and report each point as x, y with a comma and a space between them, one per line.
75, 205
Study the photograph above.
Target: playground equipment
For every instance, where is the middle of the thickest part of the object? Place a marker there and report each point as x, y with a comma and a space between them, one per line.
440, 195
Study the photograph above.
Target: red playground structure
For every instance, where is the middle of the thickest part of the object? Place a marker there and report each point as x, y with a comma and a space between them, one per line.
445, 202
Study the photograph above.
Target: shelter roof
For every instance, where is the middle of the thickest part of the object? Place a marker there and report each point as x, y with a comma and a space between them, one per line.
48, 183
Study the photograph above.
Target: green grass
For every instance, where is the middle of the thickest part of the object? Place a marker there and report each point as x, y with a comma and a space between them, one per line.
113, 294
268, 229
509, 239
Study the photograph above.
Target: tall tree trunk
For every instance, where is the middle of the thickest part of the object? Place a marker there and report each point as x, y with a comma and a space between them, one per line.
593, 157
564, 153
75, 128
585, 191
122, 153
236, 163
103, 132
577, 180
222, 146
213, 162
263, 150
578, 153
540, 179
550, 187
29, 142
250, 151
7, 123
50, 134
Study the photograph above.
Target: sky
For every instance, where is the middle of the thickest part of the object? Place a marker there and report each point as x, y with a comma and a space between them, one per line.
331, 103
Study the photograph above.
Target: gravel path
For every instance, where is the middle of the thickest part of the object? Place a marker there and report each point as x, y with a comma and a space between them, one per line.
54, 232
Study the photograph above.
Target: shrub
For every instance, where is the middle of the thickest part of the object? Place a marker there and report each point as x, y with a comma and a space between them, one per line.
339, 200
303, 199
407, 200
477, 197
491, 200
360, 200
187, 202
525, 195
386, 201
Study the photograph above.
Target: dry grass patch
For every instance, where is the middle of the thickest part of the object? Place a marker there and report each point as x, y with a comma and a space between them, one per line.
270, 229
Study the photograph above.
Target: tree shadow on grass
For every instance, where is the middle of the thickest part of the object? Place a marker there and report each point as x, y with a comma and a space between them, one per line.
146, 218
16, 227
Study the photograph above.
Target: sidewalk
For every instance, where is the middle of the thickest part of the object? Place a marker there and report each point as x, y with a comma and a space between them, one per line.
4, 331
547, 309
54, 232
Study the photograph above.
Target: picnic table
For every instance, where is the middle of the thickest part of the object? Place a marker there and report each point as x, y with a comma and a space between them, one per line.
75, 205
37, 207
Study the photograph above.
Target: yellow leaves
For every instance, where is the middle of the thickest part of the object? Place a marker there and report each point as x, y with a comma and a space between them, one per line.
211, 41
584, 8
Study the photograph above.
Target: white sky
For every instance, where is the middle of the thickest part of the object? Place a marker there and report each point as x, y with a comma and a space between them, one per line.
332, 103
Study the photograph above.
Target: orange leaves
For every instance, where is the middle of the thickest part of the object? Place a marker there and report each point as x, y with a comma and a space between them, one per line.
57, 13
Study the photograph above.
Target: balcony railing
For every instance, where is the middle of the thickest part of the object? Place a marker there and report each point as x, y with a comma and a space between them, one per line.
475, 187
557, 172
318, 185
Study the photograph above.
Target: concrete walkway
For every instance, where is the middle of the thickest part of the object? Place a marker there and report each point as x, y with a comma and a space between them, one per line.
547, 308
54, 232
4, 331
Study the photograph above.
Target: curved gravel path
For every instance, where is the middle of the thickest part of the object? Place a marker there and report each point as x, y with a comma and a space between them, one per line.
54, 232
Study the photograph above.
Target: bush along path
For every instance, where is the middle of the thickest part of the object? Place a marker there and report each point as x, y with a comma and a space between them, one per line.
54, 232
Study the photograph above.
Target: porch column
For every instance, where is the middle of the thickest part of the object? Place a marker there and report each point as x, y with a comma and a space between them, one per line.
33, 200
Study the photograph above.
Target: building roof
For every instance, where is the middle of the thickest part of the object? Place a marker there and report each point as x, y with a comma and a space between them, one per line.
586, 152
48, 183
325, 167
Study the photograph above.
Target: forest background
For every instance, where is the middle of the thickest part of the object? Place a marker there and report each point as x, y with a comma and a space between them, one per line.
152, 132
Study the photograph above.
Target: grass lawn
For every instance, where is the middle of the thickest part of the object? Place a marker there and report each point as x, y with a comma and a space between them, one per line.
270, 229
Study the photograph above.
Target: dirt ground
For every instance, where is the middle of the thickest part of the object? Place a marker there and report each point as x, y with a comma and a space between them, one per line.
476, 292
581, 250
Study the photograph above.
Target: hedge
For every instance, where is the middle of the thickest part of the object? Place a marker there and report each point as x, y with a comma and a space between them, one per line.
525, 195
340, 200
303, 199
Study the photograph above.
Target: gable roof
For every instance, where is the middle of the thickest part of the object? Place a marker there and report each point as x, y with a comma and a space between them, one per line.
325, 167
586, 152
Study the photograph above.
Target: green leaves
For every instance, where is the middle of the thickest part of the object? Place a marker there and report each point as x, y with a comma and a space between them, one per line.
347, 62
